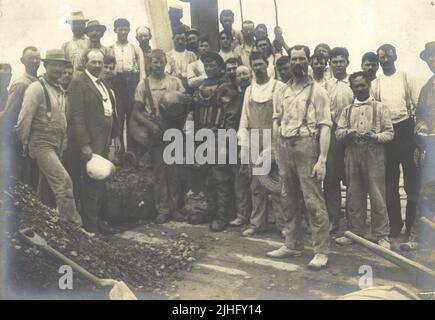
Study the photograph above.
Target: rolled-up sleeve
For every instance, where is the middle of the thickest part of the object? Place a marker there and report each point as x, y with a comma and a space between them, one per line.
277, 105
322, 107
244, 121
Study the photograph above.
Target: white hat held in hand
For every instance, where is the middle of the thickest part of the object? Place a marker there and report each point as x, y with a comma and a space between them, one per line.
99, 168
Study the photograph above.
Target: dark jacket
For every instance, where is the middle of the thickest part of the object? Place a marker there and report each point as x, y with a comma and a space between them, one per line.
87, 123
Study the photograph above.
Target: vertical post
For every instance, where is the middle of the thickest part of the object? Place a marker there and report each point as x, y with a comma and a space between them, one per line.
158, 18
205, 18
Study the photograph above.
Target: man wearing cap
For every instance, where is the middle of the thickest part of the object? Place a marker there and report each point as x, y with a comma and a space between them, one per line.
74, 48
175, 16
425, 137
399, 92
209, 111
144, 36
179, 58
130, 68
41, 128
94, 124
24, 168
146, 115
95, 31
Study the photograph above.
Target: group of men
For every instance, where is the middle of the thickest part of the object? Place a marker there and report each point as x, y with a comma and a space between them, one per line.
329, 129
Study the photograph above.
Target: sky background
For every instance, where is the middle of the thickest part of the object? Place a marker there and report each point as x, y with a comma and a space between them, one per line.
359, 25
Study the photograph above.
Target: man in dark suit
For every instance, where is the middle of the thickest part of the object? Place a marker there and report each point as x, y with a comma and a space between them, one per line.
93, 125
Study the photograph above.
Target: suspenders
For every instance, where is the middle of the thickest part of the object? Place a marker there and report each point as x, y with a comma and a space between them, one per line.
307, 104
374, 115
47, 98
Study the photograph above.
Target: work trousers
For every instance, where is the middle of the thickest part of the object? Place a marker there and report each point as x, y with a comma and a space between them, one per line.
166, 182
365, 172
296, 159
261, 207
421, 232
400, 152
334, 175
242, 183
125, 86
60, 183
219, 191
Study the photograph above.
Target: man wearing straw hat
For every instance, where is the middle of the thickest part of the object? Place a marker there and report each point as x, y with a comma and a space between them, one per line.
95, 31
41, 128
73, 49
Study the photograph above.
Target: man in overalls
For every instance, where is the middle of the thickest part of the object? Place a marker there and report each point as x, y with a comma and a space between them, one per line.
41, 128
301, 112
257, 114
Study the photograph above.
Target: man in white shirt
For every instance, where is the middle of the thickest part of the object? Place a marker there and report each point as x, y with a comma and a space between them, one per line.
399, 92
195, 70
226, 46
179, 58
130, 68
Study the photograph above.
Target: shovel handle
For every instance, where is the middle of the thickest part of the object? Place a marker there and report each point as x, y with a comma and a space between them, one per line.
34, 239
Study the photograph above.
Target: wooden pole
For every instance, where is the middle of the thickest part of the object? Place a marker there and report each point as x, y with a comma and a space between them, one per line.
158, 18
241, 11
391, 256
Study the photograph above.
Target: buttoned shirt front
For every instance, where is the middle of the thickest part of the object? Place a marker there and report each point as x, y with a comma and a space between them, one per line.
179, 61
295, 117
107, 103
129, 58
364, 117
340, 95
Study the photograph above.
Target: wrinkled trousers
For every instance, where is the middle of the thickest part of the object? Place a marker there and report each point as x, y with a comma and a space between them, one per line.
296, 159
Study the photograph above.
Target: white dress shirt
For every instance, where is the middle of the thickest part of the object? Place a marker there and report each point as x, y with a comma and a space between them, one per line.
107, 103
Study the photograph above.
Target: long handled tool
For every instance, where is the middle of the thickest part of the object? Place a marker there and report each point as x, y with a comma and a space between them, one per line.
276, 13
393, 257
428, 222
119, 291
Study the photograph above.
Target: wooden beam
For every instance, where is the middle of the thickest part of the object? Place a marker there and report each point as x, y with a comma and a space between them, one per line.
205, 18
158, 18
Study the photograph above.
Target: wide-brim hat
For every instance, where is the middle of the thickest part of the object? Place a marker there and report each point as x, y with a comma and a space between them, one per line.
55, 55
77, 16
94, 24
428, 48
